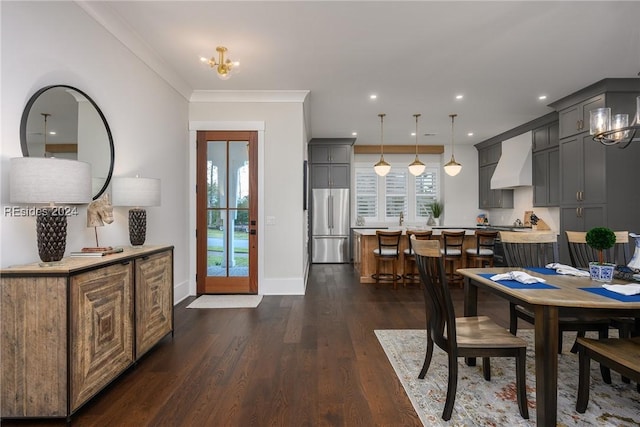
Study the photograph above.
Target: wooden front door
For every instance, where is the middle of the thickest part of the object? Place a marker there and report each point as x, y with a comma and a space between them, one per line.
227, 212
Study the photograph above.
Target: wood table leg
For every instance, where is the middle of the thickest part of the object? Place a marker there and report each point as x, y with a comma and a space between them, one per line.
470, 308
546, 350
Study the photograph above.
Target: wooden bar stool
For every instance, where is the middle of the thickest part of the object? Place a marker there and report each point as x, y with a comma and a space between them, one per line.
452, 251
388, 251
410, 271
482, 254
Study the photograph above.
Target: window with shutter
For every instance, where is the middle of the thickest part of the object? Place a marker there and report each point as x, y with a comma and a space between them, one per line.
426, 187
366, 194
381, 199
395, 193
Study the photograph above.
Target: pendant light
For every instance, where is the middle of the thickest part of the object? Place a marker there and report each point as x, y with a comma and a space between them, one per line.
382, 168
452, 168
417, 167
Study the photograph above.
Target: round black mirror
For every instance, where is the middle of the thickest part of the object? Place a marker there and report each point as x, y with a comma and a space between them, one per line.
62, 121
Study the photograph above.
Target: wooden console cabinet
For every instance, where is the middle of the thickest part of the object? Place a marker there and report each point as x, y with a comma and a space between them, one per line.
68, 331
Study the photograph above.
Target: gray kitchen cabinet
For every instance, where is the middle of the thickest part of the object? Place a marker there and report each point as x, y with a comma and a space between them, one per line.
489, 155
488, 160
595, 181
330, 153
575, 118
546, 165
583, 172
330, 162
325, 175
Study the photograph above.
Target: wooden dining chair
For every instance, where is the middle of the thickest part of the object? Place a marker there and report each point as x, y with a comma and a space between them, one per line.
410, 272
388, 251
582, 254
464, 336
452, 242
537, 249
482, 254
620, 354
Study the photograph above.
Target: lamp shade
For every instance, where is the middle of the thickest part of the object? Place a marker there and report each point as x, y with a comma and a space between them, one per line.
49, 180
136, 191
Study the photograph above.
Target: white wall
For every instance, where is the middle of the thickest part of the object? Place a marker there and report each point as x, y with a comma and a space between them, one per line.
45, 43
281, 227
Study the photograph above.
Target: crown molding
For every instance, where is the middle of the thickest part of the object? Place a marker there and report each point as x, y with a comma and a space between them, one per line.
104, 15
298, 96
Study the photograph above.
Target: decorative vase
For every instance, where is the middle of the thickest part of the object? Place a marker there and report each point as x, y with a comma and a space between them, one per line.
635, 260
601, 272
436, 221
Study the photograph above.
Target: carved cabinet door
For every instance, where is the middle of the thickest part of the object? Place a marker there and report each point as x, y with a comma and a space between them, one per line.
101, 328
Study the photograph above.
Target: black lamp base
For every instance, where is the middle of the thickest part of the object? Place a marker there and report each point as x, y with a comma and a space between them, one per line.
137, 226
51, 227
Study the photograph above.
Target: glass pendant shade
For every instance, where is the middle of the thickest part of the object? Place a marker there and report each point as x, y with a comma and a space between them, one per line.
417, 167
452, 168
382, 168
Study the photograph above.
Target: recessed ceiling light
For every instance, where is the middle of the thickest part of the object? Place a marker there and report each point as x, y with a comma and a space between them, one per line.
354, 133
542, 97
373, 96
52, 133
459, 96
413, 134
470, 134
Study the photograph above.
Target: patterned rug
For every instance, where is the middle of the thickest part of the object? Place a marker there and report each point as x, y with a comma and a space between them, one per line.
493, 403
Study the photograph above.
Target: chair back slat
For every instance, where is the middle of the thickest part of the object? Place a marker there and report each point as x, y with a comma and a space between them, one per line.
440, 313
485, 240
529, 249
388, 241
581, 254
452, 241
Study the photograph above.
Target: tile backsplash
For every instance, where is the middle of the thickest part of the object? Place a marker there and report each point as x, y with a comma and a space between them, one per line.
523, 201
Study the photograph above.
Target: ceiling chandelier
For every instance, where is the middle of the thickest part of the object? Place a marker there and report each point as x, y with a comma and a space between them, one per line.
222, 66
452, 168
382, 168
613, 131
417, 167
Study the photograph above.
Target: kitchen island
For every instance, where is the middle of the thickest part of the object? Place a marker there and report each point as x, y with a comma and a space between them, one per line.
366, 241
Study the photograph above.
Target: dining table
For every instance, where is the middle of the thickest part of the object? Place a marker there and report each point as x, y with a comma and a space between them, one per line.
572, 294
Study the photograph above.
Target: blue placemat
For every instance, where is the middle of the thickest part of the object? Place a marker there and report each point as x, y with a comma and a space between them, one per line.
613, 295
514, 284
543, 270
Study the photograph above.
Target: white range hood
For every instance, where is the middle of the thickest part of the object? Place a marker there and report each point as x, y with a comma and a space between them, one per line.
514, 167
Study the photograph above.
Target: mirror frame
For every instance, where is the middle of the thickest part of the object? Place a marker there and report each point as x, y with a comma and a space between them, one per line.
25, 117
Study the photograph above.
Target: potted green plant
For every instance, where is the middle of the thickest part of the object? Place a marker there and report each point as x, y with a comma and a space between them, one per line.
601, 239
436, 210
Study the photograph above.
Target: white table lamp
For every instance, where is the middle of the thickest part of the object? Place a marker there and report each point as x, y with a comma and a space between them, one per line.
51, 181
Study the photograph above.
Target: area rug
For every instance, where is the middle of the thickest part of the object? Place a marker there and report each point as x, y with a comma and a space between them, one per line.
226, 301
493, 403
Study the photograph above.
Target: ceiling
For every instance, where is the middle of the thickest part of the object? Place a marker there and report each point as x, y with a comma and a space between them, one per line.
416, 56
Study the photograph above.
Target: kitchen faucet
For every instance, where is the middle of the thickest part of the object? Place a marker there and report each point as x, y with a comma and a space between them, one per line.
401, 220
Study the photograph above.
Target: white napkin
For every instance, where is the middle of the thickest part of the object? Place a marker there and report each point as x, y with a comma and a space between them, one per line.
568, 270
630, 289
519, 276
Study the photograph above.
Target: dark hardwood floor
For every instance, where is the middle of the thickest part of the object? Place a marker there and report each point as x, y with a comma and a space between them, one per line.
309, 360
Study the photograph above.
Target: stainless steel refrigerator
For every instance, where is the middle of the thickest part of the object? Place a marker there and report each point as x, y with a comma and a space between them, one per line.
330, 225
